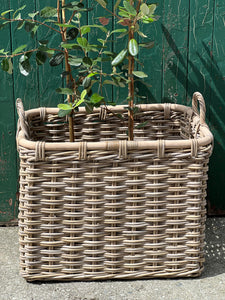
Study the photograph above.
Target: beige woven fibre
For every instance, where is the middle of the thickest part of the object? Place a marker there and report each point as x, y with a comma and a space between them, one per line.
103, 207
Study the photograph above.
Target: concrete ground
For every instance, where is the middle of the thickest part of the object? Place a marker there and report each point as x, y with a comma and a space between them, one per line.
210, 286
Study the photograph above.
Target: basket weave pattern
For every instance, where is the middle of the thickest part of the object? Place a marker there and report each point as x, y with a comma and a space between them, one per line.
120, 211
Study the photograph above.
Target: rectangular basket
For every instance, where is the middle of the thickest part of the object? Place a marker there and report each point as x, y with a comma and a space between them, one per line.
107, 208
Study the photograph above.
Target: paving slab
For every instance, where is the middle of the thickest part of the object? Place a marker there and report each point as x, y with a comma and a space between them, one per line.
210, 286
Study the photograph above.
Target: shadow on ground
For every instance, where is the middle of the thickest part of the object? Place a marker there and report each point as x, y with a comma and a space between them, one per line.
215, 247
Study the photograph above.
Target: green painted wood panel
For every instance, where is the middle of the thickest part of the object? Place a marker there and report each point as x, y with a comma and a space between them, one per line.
175, 45
25, 87
200, 62
49, 78
8, 161
216, 108
152, 59
188, 56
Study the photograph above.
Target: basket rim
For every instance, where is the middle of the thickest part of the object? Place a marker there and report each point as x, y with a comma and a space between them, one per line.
205, 138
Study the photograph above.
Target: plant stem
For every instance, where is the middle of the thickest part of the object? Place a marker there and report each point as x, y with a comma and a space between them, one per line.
25, 52
67, 66
30, 20
131, 89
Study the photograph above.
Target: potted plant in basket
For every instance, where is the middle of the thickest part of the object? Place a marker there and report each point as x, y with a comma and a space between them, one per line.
116, 202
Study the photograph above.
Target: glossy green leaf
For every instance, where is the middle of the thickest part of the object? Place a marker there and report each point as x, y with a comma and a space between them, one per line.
79, 102
152, 8
102, 28
48, 12
74, 5
18, 17
44, 48
92, 74
32, 15
85, 29
16, 11
103, 3
120, 30
82, 42
29, 26
6, 12
62, 113
41, 57
116, 5
124, 14
24, 65
147, 20
147, 45
64, 91
140, 74
144, 9
129, 8
96, 98
133, 47
57, 59
71, 34
142, 34
71, 46
83, 94
2, 51
76, 62
34, 30
86, 82
111, 82
5, 64
20, 24
87, 61
64, 106
65, 25
119, 58
19, 49
43, 42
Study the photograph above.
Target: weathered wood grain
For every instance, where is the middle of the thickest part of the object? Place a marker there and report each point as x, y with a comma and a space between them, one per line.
216, 108
8, 165
49, 78
152, 60
25, 87
175, 25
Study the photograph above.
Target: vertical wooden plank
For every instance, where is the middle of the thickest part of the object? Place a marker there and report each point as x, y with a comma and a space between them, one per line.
175, 43
49, 78
216, 187
93, 18
152, 59
120, 94
26, 87
199, 69
8, 169
200, 43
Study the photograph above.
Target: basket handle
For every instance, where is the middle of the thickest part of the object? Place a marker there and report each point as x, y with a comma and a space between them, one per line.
22, 122
198, 98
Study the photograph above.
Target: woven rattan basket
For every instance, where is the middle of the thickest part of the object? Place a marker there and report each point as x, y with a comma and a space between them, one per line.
104, 207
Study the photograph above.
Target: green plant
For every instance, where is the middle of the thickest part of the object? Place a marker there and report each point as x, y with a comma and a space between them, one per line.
130, 14
84, 63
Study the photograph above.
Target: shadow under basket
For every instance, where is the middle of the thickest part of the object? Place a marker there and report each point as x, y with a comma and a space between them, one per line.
107, 208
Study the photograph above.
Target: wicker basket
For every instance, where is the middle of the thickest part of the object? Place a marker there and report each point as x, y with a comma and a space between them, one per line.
104, 207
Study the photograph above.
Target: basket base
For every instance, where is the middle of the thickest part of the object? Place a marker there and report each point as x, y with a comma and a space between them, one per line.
100, 277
